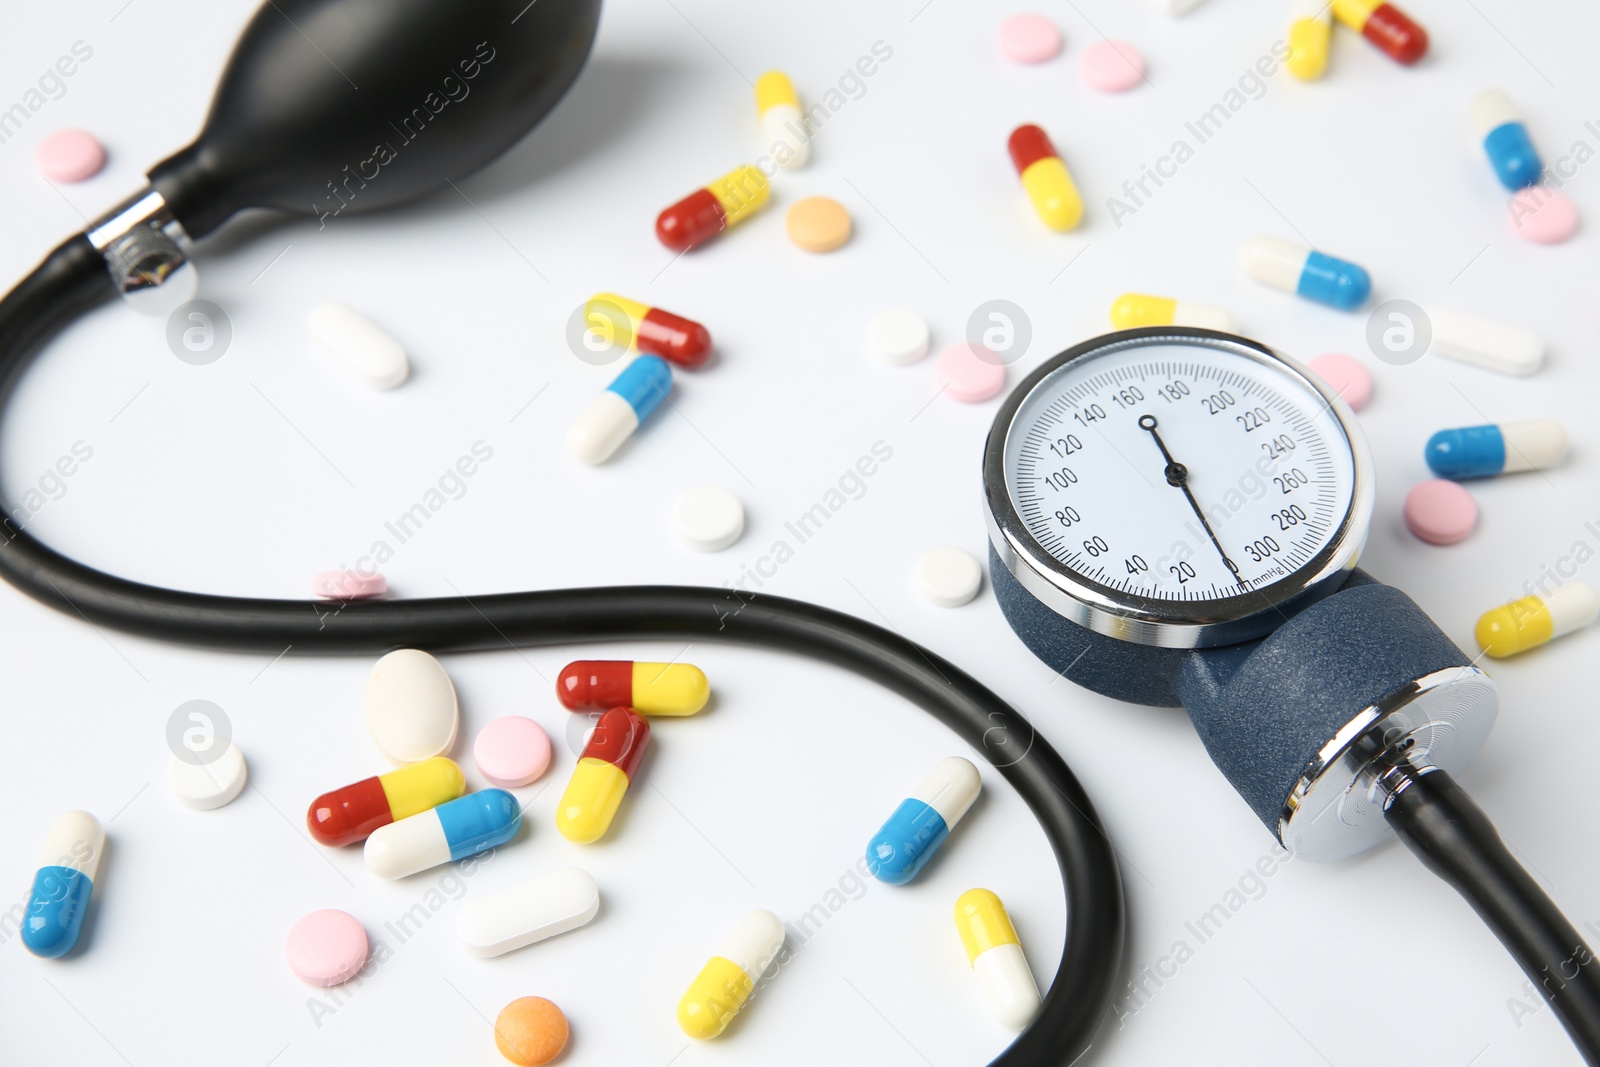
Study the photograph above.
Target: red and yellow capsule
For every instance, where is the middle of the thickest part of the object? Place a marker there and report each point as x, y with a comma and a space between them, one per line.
348, 815
601, 778
650, 688
704, 213
1386, 26
620, 321
1045, 178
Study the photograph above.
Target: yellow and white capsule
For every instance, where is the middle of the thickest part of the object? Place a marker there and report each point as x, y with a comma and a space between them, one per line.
1534, 620
997, 959
1310, 37
723, 985
1137, 309
782, 122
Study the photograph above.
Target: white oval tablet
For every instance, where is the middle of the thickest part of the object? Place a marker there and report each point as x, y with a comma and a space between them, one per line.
897, 337
519, 915
1485, 342
411, 707
205, 786
950, 577
359, 344
708, 518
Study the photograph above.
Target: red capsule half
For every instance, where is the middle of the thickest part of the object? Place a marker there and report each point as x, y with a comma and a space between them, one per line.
693, 220
620, 739
1394, 32
1027, 145
351, 814
683, 341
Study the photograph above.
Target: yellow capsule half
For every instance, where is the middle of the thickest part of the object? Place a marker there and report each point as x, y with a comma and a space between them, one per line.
741, 192
713, 998
1135, 309
982, 922
1355, 13
669, 688
774, 89
1310, 38
593, 795
1054, 195
422, 786
615, 319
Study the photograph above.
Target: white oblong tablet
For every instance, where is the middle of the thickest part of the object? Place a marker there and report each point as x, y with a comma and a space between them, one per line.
1484, 342
411, 707
949, 577
358, 344
205, 786
708, 518
530, 911
897, 337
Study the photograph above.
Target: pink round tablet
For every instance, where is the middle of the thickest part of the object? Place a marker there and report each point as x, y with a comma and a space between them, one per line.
327, 947
1347, 376
1029, 38
1440, 512
69, 156
1543, 216
969, 373
1111, 66
512, 751
349, 585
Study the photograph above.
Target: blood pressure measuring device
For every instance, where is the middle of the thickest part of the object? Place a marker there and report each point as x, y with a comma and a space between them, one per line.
1175, 517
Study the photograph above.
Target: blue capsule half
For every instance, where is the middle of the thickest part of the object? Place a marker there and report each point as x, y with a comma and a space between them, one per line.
905, 844
56, 907
1516, 162
479, 821
643, 384
1334, 282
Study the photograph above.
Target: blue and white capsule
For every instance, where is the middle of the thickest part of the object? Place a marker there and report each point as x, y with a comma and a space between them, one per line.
63, 884
463, 827
617, 412
1489, 451
1306, 272
1505, 140
922, 821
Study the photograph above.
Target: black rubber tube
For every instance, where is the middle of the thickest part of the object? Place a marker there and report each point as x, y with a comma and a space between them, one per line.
73, 279
1451, 835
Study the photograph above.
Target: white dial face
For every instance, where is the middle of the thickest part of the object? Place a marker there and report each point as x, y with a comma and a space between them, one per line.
1179, 472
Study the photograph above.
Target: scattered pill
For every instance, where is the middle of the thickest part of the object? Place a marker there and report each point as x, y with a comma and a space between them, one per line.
507, 919
63, 884
1533, 620
327, 947
706, 212
512, 751
1485, 451
1136, 309
630, 324
69, 156
898, 338
1386, 26
1029, 38
454, 830
919, 826
1347, 376
1045, 178
345, 816
997, 959
349, 585
1505, 139
818, 224
1310, 38
1543, 215
204, 786
617, 412
969, 373
783, 124
1440, 512
648, 688
411, 706
607, 766
358, 344
708, 518
950, 577
723, 985
1484, 342
1306, 272
530, 1031
1111, 66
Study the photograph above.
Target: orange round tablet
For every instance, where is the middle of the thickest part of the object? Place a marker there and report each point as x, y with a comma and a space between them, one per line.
530, 1031
818, 224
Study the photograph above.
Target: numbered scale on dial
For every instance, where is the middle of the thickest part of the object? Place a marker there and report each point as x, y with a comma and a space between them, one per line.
1183, 478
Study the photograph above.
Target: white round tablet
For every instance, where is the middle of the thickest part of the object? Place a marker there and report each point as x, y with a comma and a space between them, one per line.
411, 707
897, 337
204, 786
708, 518
949, 577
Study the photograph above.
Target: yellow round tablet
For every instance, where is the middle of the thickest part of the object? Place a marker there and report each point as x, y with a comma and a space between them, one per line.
818, 224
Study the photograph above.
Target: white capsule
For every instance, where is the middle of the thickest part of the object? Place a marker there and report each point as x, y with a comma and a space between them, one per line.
76, 841
1485, 342
403, 848
601, 429
950, 789
519, 915
1492, 109
1008, 985
778, 124
753, 942
412, 712
1572, 607
1534, 444
359, 344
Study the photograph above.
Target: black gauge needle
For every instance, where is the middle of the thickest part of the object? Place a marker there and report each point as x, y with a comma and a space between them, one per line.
1178, 475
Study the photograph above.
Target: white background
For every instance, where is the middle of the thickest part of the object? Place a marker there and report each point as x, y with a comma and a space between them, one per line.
249, 475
